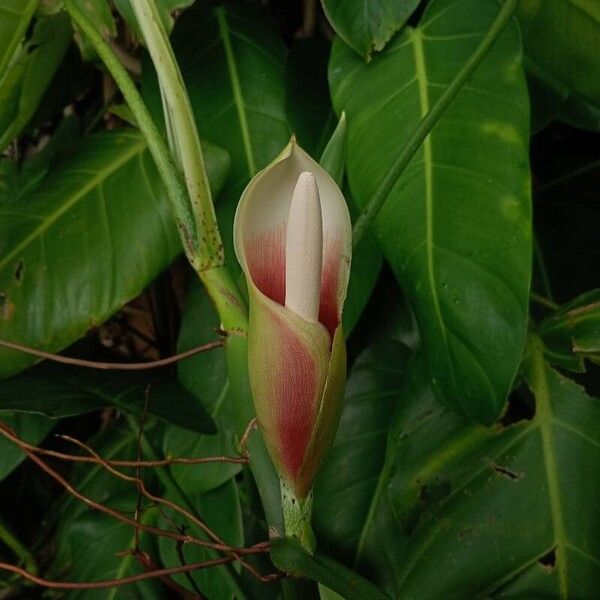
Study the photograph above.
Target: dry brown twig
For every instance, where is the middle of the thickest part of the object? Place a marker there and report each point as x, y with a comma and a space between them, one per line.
109, 366
217, 544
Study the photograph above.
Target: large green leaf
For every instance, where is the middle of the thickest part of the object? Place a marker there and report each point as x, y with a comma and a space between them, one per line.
561, 39
31, 428
368, 25
206, 377
456, 226
573, 331
459, 510
220, 510
352, 513
58, 391
15, 16
83, 243
26, 80
88, 550
233, 64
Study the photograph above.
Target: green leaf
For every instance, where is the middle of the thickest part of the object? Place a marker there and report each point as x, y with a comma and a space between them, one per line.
465, 511
88, 550
16, 179
368, 25
561, 39
547, 467
573, 331
16, 15
350, 502
233, 65
100, 15
23, 85
290, 557
31, 428
165, 8
220, 510
456, 227
205, 376
85, 242
57, 391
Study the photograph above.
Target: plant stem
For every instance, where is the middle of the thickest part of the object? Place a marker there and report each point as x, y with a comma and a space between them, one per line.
167, 168
183, 133
8, 538
223, 291
376, 202
288, 555
543, 301
297, 515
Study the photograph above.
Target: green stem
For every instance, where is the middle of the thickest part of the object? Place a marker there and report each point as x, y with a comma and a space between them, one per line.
183, 133
378, 199
222, 289
26, 558
542, 301
167, 168
297, 514
288, 555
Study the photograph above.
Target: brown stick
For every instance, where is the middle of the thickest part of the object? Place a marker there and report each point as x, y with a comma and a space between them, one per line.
108, 583
92, 364
186, 539
7, 432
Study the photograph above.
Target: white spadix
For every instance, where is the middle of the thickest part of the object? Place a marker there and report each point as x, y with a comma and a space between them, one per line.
304, 249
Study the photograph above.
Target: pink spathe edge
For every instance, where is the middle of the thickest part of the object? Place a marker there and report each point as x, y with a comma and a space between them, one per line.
265, 258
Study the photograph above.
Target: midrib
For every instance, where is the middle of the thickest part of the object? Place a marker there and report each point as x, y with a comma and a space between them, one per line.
544, 418
50, 219
421, 73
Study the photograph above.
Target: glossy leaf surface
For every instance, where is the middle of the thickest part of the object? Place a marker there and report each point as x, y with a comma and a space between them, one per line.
105, 207
90, 544
561, 39
456, 226
31, 428
220, 510
368, 25
205, 376
507, 511
573, 331
58, 391
14, 19
27, 78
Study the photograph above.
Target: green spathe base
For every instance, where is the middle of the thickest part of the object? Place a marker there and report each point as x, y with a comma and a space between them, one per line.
297, 514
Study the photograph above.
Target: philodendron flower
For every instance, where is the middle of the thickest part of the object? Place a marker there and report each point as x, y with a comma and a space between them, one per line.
292, 237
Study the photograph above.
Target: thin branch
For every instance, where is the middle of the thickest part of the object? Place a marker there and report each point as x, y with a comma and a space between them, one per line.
187, 539
138, 479
173, 506
125, 463
92, 364
147, 563
109, 583
543, 301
